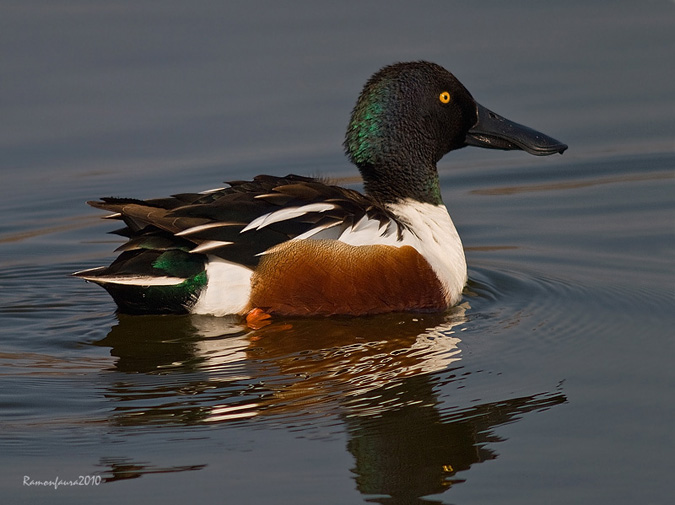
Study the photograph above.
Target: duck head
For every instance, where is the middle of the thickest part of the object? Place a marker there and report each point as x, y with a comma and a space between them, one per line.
409, 115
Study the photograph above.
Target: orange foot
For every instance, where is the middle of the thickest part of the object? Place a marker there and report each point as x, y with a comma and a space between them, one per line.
257, 318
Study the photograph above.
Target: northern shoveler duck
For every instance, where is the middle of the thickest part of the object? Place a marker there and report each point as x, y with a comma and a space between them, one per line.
300, 246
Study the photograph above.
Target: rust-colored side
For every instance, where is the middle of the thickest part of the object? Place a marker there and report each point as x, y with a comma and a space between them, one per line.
327, 277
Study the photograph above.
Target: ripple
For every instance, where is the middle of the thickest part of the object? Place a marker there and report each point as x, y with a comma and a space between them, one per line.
43, 290
574, 184
206, 370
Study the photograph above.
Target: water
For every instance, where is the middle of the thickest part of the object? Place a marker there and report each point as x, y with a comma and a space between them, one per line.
552, 381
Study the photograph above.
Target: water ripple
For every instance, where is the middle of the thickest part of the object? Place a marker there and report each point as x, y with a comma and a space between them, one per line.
205, 370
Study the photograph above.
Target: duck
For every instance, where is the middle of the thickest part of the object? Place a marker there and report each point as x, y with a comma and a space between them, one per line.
303, 246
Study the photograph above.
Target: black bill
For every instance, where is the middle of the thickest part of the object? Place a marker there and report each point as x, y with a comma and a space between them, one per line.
496, 132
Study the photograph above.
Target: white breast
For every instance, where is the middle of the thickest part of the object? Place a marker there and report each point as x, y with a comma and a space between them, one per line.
431, 232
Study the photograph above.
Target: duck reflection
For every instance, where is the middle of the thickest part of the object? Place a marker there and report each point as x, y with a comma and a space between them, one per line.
378, 376
413, 451
214, 370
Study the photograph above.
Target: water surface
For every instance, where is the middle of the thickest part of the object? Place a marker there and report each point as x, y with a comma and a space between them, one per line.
550, 383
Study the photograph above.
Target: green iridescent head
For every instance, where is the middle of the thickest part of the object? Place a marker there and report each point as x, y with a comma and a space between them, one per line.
406, 118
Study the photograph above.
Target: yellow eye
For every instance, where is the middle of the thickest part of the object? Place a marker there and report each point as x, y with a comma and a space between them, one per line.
444, 97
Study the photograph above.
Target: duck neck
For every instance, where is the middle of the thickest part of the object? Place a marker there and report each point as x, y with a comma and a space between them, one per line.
393, 183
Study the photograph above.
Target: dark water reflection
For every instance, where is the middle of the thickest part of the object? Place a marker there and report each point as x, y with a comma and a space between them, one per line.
115, 469
413, 451
375, 378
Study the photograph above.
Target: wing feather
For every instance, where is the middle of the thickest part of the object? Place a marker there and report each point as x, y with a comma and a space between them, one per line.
240, 222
